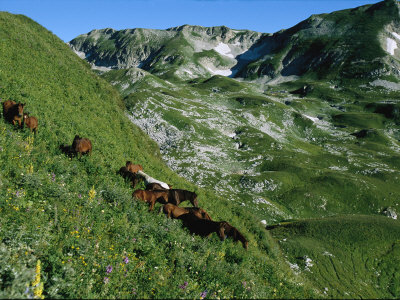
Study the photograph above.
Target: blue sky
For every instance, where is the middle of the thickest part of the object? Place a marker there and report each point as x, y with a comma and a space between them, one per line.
69, 18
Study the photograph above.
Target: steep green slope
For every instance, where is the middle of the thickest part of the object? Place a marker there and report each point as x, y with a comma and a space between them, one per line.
69, 228
347, 256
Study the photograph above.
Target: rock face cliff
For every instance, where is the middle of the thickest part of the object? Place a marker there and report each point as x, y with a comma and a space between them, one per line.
353, 43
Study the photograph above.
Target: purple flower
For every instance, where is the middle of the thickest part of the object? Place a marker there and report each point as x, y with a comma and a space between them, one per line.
184, 285
17, 193
79, 196
53, 176
134, 291
109, 269
133, 240
244, 283
106, 280
126, 260
203, 294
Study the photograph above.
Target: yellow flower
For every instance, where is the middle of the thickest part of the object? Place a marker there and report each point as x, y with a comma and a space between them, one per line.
38, 286
92, 194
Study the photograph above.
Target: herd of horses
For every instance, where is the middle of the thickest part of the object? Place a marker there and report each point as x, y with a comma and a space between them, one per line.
196, 219
14, 112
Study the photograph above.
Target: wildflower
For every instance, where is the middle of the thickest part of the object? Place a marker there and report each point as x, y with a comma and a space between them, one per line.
134, 291
184, 285
126, 260
38, 286
106, 280
244, 283
203, 294
109, 269
53, 177
79, 196
133, 240
92, 193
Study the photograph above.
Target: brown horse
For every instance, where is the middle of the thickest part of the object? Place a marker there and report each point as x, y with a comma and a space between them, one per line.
151, 197
236, 235
13, 112
203, 227
176, 196
133, 168
31, 122
132, 177
81, 146
174, 211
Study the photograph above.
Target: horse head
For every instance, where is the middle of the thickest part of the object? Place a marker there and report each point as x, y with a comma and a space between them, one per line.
194, 201
20, 108
221, 230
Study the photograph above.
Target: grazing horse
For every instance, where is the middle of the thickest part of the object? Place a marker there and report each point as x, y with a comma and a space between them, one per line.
13, 112
148, 179
31, 122
124, 172
203, 227
133, 168
151, 197
236, 235
81, 146
174, 211
176, 196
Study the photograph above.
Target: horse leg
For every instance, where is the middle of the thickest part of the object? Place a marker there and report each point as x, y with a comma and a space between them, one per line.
152, 202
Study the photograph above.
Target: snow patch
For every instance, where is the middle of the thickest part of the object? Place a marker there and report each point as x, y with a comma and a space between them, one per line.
397, 36
391, 45
103, 69
312, 118
224, 50
221, 72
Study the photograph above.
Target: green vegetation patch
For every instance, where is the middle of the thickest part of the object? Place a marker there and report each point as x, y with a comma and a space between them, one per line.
346, 256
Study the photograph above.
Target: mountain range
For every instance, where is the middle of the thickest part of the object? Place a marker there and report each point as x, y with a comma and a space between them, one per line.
291, 137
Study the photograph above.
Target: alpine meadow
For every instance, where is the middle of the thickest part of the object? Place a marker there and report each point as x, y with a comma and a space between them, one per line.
286, 144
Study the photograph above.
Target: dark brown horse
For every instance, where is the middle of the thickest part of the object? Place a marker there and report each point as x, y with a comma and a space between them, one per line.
133, 168
13, 112
81, 146
203, 227
151, 197
236, 235
176, 196
133, 178
31, 122
174, 211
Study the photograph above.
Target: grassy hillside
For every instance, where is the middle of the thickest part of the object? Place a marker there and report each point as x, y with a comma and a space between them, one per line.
347, 256
69, 228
